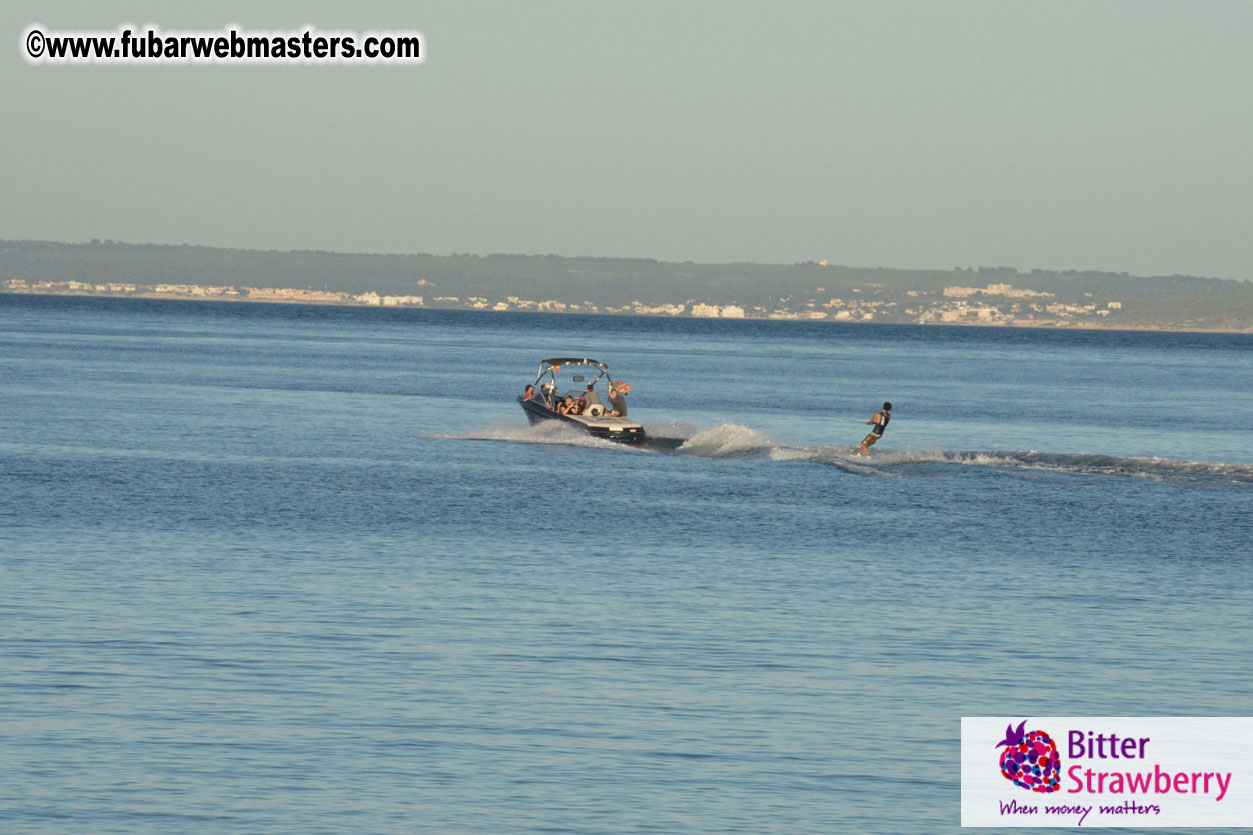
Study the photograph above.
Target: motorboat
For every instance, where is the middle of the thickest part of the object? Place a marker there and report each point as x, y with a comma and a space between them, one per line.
577, 378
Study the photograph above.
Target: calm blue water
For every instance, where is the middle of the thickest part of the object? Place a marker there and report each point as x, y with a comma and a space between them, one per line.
297, 569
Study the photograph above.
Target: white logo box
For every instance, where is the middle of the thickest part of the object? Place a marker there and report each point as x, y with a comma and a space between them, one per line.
1122, 771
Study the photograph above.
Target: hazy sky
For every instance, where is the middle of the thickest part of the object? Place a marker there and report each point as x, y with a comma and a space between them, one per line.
1099, 135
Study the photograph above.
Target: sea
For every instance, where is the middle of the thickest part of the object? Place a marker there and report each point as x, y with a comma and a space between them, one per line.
282, 568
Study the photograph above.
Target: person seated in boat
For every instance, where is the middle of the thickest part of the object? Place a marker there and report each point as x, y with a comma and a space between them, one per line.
529, 394
617, 404
566, 407
593, 399
579, 406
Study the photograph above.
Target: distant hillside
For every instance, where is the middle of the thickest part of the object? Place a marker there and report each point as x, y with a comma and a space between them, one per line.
614, 284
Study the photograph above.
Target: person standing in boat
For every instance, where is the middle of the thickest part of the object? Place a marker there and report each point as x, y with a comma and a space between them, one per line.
617, 404
880, 422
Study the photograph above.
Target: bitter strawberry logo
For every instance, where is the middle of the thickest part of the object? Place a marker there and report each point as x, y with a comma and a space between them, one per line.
1030, 759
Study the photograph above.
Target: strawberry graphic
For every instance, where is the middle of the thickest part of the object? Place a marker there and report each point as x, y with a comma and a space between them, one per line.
1030, 759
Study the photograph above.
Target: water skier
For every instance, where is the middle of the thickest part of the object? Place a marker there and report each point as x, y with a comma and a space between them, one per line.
880, 422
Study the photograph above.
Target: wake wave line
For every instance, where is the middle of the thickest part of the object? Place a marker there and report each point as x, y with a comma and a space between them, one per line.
733, 441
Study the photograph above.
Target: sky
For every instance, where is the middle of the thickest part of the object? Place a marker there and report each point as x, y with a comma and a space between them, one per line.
1068, 134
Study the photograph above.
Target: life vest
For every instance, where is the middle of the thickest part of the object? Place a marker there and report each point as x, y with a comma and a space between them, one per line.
878, 428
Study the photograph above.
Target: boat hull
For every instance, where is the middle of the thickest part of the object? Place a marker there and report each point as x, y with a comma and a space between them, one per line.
610, 429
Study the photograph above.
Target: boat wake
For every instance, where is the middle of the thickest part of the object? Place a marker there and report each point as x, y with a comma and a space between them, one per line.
544, 432
730, 440
733, 441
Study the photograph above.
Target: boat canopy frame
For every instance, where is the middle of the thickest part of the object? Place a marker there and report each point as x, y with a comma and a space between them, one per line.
552, 366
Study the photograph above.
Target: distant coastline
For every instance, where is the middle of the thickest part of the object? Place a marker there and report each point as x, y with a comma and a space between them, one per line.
1076, 325
810, 291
